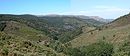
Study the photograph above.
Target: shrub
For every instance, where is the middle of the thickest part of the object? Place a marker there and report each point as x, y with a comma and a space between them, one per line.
98, 49
124, 48
5, 51
74, 52
2, 26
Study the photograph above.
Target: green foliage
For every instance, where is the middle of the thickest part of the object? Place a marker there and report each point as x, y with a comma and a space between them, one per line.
2, 26
74, 52
5, 51
57, 46
60, 30
124, 49
69, 35
92, 22
98, 49
57, 28
16, 45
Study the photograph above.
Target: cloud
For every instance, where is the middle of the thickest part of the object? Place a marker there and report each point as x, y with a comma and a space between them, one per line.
109, 12
103, 8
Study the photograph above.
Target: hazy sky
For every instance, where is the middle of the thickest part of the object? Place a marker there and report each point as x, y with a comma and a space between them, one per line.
108, 9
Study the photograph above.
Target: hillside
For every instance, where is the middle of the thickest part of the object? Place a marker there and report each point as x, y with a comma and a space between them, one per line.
53, 26
19, 29
49, 33
25, 41
63, 35
121, 21
116, 33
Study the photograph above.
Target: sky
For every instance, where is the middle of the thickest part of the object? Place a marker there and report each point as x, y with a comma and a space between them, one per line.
108, 9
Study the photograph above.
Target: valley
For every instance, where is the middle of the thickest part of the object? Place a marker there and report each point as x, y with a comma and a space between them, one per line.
63, 35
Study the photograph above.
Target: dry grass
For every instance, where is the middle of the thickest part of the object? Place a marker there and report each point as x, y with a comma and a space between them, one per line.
115, 36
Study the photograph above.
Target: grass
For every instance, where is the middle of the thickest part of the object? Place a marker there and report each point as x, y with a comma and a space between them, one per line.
115, 36
23, 30
19, 39
17, 45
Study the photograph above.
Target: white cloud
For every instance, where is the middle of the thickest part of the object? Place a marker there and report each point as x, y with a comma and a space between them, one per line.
109, 12
97, 8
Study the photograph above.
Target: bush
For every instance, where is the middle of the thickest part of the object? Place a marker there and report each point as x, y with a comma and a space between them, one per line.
74, 52
98, 49
57, 46
2, 26
5, 51
124, 48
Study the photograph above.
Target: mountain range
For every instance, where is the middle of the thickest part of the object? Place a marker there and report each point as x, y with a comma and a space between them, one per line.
63, 35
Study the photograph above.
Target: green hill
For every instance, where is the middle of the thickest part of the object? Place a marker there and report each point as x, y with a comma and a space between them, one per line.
17, 39
19, 29
118, 28
53, 35
53, 26
116, 32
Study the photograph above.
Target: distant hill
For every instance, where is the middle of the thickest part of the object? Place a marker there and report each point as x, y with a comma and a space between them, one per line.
90, 20
97, 18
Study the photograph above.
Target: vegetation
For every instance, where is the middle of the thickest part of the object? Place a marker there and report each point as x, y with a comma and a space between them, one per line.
29, 35
96, 49
2, 26
21, 47
123, 49
52, 28
67, 36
